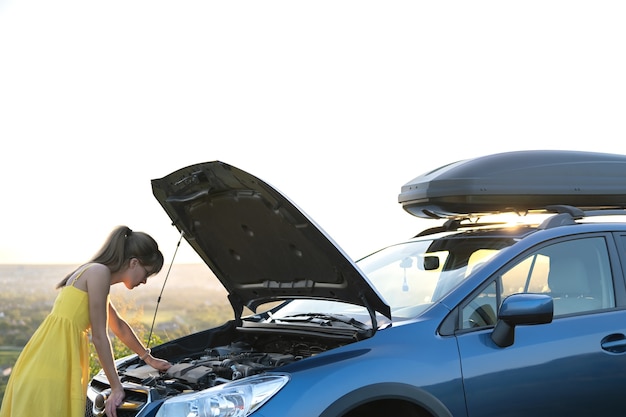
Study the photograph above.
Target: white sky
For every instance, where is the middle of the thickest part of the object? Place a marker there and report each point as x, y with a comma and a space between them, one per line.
335, 103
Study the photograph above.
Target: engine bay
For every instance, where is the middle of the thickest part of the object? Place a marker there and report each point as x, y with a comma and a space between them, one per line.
212, 366
216, 356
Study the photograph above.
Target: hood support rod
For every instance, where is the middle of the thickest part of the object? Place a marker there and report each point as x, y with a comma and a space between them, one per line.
372, 313
162, 288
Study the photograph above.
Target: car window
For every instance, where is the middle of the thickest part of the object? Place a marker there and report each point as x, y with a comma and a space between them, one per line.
412, 276
481, 310
576, 273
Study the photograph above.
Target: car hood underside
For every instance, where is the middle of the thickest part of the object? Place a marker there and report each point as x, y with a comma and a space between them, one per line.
259, 244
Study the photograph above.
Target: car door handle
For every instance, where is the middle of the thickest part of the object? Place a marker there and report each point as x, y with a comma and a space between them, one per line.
614, 343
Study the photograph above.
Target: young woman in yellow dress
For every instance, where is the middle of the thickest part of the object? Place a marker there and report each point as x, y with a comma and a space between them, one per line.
50, 377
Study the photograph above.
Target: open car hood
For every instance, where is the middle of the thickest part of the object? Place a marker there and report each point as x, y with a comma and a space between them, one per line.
258, 243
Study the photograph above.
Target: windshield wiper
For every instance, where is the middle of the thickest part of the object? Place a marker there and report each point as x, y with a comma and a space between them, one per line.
324, 319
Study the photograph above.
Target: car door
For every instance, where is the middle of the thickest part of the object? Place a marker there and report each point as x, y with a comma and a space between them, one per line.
575, 365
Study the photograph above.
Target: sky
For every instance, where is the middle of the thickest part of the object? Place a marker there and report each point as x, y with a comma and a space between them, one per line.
337, 104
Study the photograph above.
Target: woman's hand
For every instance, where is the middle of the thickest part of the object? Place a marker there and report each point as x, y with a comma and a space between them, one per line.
113, 401
158, 364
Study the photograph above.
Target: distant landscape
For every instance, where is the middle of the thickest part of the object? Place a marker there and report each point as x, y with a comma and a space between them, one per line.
193, 299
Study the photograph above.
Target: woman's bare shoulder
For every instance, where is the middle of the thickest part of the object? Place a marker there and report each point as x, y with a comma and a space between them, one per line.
96, 268
93, 275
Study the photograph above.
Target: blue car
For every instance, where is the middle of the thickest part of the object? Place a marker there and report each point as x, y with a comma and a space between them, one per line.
513, 304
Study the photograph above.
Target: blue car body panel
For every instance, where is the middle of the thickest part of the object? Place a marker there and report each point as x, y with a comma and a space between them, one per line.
546, 365
395, 357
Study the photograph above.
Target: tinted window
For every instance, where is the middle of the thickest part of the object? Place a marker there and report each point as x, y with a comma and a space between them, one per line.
576, 273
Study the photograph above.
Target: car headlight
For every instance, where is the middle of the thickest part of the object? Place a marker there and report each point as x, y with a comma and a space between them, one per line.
234, 399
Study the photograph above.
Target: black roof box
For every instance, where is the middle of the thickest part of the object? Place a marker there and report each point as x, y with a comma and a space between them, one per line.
520, 181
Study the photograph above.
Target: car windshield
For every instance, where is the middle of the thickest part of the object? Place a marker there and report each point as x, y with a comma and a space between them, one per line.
411, 276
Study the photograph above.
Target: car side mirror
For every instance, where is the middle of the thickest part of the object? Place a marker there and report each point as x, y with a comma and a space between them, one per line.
521, 309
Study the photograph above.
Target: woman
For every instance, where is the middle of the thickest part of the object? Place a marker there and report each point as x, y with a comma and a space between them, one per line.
50, 376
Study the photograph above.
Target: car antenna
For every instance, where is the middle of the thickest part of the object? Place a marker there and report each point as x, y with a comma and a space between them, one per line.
162, 288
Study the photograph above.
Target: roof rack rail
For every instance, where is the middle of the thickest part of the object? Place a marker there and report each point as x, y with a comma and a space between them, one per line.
452, 225
605, 212
567, 215
575, 212
448, 226
560, 219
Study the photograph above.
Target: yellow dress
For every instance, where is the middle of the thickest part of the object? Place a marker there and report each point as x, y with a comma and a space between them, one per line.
51, 374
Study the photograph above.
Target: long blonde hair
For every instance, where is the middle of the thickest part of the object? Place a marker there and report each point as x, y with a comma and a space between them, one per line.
122, 245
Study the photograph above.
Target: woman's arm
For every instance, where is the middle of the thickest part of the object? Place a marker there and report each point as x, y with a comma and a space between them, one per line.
98, 281
122, 329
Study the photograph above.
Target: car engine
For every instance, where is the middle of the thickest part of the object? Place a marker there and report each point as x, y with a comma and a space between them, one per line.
250, 355
218, 365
